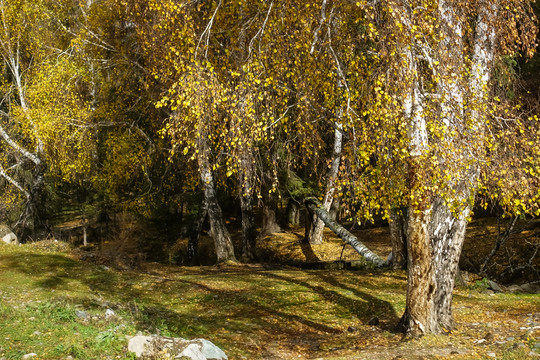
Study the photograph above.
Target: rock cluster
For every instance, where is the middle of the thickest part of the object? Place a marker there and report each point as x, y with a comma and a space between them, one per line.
155, 346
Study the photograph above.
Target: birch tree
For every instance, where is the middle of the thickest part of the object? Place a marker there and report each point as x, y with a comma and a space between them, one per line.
446, 52
39, 104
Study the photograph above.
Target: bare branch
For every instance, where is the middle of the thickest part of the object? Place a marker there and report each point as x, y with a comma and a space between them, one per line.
316, 35
260, 32
206, 32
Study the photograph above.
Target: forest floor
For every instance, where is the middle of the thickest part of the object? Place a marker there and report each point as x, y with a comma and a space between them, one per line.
263, 311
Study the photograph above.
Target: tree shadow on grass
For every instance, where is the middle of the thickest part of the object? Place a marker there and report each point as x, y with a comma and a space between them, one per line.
363, 308
258, 320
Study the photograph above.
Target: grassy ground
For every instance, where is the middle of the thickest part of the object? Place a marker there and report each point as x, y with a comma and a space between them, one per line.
251, 312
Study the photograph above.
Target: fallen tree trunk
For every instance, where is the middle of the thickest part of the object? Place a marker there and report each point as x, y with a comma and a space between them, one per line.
314, 206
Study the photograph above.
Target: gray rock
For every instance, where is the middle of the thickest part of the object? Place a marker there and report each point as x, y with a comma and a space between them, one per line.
211, 351
29, 356
109, 314
81, 314
7, 235
531, 288
141, 345
491, 354
536, 346
193, 352
198, 349
494, 286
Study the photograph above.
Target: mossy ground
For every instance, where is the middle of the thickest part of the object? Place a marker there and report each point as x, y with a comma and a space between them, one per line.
250, 311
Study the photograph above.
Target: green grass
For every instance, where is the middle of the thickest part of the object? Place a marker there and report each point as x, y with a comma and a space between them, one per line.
250, 312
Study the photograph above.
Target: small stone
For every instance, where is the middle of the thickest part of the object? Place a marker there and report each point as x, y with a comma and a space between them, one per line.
29, 356
81, 314
373, 321
491, 354
536, 346
69, 357
37, 333
109, 314
351, 329
511, 338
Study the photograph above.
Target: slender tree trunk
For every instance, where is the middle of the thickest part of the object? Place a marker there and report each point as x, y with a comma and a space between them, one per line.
269, 222
315, 235
293, 212
249, 232
222, 240
195, 233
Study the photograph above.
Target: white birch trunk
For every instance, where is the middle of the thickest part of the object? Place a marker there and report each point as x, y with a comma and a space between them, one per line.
222, 240
316, 231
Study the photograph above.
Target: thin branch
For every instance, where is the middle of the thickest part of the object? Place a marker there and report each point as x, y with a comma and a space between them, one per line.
316, 35
33, 157
260, 32
13, 182
207, 32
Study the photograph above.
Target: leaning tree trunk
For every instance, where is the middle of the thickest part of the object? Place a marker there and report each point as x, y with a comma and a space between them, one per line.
315, 235
222, 240
315, 207
447, 232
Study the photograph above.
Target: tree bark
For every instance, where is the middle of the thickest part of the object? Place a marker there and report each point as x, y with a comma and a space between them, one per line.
269, 221
314, 206
222, 240
193, 242
316, 231
293, 212
419, 317
398, 237
447, 231
249, 232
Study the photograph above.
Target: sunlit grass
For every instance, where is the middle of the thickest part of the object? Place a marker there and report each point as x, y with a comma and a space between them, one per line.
251, 312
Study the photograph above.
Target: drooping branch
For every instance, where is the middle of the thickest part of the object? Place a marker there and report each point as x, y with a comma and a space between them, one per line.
33, 157
313, 205
5, 175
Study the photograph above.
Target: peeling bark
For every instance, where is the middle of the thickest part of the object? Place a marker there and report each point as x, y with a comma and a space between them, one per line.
315, 235
398, 237
419, 317
222, 240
